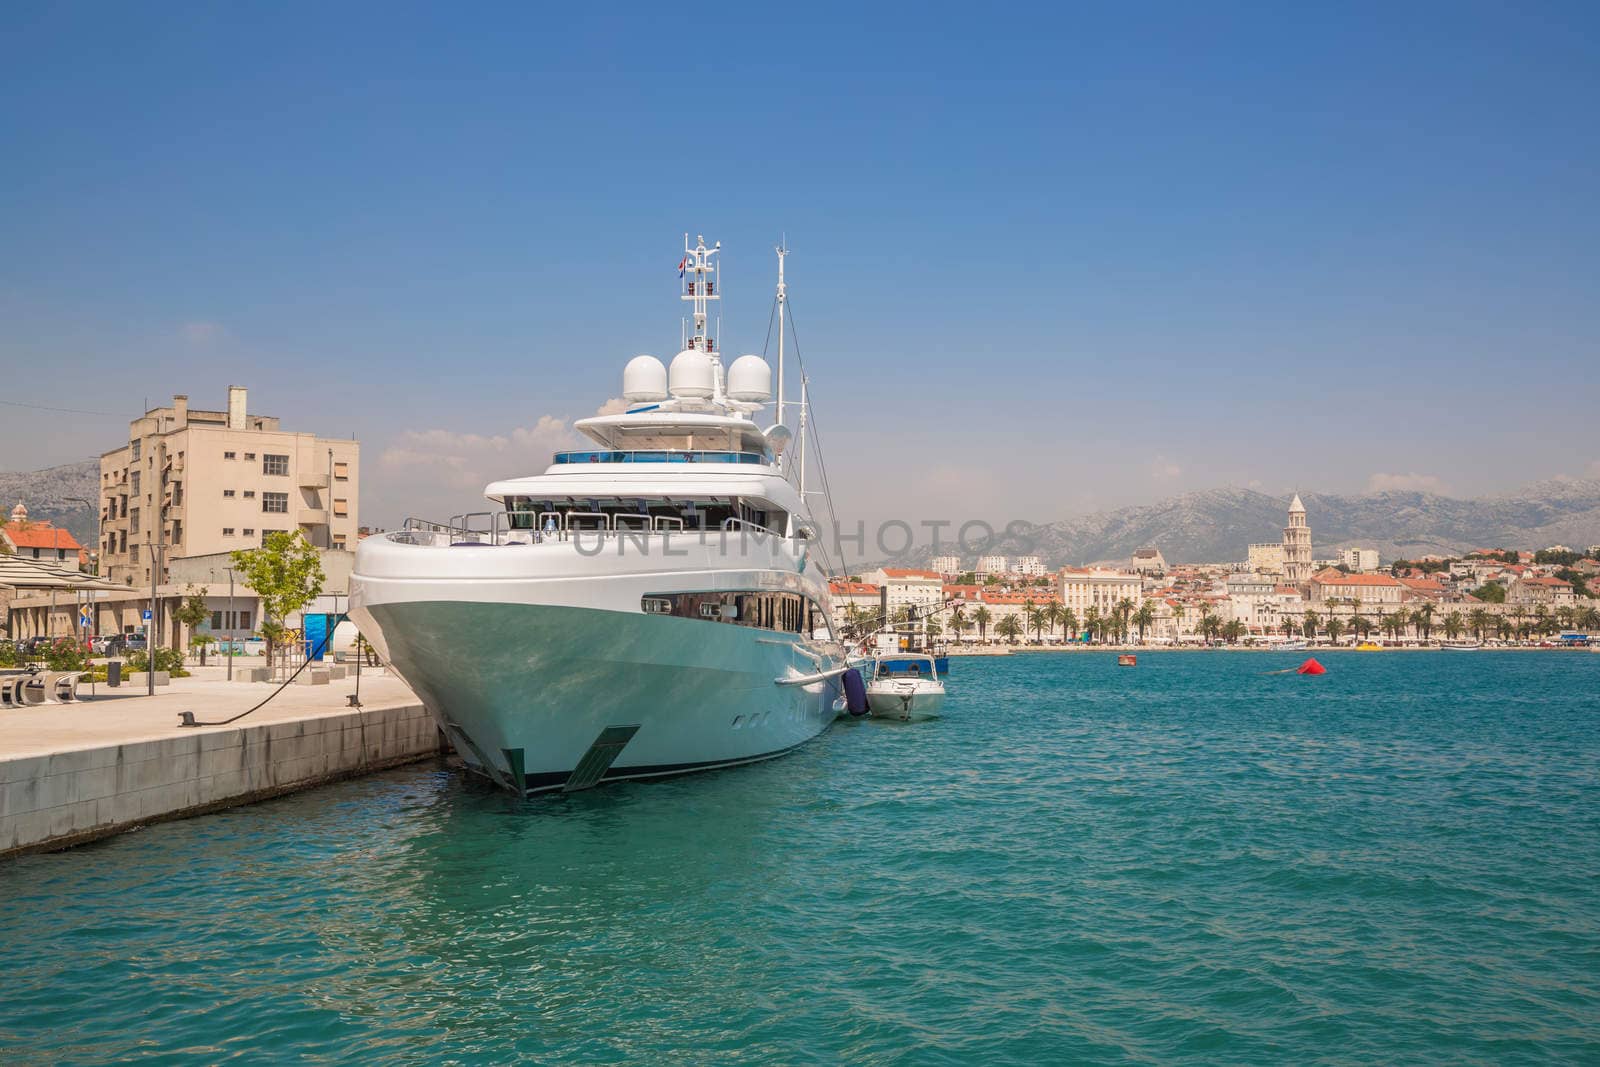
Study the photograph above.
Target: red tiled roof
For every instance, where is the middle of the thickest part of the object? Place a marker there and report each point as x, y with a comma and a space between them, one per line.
1332, 577
853, 588
41, 535
903, 572
1018, 598
1553, 583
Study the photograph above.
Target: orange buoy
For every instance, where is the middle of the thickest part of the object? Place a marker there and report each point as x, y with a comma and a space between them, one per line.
1311, 666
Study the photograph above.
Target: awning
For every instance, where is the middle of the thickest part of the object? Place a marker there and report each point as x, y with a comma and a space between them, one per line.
17, 572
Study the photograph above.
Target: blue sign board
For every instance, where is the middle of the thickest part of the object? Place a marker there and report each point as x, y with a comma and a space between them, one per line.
146, 614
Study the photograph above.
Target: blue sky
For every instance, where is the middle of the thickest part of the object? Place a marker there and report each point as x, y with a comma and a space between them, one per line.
1044, 260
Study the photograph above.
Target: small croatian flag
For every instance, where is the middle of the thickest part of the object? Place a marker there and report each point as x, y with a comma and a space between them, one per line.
682, 263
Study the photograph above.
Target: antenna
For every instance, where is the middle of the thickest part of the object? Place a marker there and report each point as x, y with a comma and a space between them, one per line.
783, 294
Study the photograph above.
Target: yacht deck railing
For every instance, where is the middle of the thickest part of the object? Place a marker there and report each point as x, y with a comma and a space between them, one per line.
480, 528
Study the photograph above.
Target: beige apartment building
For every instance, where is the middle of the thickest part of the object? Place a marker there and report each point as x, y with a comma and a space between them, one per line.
1082, 588
201, 482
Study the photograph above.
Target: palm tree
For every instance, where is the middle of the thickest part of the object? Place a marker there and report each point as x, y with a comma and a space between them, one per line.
1054, 615
1144, 618
932, 627
1091, 621
1479, 621
1453, 624
1335, 628
1361, 625
1233, 630
1124, 614
1009, 628
958, 622
1069, 623
1423, 617
1288, 626
1035, 618
982, 617
1309, 628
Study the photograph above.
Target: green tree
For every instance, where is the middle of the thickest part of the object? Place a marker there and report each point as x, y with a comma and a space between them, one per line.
285, 573
1479, 620
191, 612
1423, 618
1055, 614
1233, 630
1070, 623
1308, 628
1036, 622
1453, 625
1144, 618
1124, 614
982, 617
1335, 628
1009, 628
1091, 622
1491, 593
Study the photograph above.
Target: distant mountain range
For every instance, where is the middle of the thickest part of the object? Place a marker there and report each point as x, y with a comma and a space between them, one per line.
1211, 525
1215, 525
48, 494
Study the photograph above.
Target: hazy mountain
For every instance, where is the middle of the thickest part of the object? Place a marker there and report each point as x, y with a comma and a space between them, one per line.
48, 495
1215, 525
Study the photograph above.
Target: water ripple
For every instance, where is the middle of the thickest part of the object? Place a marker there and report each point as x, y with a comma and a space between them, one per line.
1189, 862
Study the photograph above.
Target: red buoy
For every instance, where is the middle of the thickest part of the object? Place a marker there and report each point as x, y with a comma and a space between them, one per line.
1311, 666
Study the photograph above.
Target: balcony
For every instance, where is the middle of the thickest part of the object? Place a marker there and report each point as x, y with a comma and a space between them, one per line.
312, 480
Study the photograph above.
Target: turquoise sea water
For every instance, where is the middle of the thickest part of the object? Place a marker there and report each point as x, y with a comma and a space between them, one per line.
1190, 861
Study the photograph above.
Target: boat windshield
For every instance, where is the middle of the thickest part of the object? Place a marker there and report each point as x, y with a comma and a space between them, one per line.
643, 513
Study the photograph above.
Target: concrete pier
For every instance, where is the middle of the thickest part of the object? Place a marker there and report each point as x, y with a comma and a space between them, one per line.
75, 772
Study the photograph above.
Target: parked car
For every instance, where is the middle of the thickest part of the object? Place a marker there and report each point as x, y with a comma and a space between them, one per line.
122, 644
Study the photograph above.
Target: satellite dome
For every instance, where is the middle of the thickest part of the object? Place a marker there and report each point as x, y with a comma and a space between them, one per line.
778, 437
692, 375
644, 378
750, 380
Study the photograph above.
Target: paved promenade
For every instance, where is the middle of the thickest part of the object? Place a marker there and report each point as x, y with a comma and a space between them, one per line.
118, 758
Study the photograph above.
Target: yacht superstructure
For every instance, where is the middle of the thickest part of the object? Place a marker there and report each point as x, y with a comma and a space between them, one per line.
650, 605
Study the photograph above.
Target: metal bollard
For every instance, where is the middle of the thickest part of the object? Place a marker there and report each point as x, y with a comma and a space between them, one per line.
114, 673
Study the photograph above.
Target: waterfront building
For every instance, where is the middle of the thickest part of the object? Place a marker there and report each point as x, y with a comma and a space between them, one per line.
1297, 545
949, 566
1028, 566
1541, 589
993, 565
1368, 589
1252, 600
1265, 558
199, 482
40, 540
1361, 560
1082, 588
852, 600
906, 588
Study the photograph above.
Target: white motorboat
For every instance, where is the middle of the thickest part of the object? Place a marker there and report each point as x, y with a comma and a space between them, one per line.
653, 605
1460, 646
904, 686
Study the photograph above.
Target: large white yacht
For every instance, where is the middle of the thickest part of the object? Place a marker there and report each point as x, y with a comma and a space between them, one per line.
652, 605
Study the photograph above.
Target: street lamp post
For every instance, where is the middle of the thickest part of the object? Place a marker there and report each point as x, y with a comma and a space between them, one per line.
94, 615
233, 626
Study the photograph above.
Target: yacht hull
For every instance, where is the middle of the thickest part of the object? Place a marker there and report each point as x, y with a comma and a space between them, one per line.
526, 691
